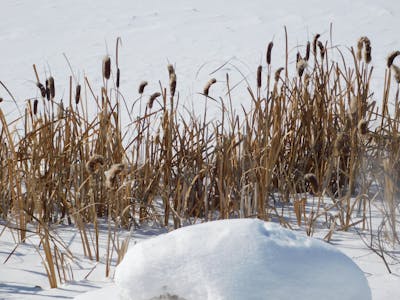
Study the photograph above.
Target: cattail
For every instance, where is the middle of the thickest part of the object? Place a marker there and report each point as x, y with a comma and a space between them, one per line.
362, 127
172, 83
321, 49
42, 89
367, 51
60, 111
47, 90
360, 45
208, 85
391, 58
142, 86
95, 162
259, 72
307, 57
269, 51
153, 97
171, 69
35, 106
1, 99
278, 73
301, 65
396, 70
51, 87
298, 57
118, 75
111, 175
311, 178
106, 67
78, 94
316, 37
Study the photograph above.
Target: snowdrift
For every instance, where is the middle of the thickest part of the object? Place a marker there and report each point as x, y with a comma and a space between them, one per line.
238, 259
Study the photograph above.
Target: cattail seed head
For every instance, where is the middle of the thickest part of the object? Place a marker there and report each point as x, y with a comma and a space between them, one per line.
298, 57
118, 77
364, 43
50, 85
259, 73
321, 49
208, 85
362, 127
360, 45
111, 175
269, 51
95, 163
142, 86
301, 65
307, 57
35, 106
367, 52
172, 84
153, 97
171, 69
391, 58
60, 111
311, 178
106, 67
278, 73
1, 99
77, 94
396, 71
42, 89
47, 90
316, 37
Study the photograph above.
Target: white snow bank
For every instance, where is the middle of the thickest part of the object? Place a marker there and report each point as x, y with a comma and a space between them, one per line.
238, 259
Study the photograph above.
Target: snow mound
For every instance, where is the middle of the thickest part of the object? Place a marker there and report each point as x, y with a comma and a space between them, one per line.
238, 259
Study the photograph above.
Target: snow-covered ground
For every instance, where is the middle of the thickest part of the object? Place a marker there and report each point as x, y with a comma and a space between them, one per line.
198, 37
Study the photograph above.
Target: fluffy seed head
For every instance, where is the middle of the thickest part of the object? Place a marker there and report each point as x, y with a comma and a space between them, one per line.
106, 67
111, 175
142, 86
311, 178
301, 65
94, 163
171, 69
208, 85
172, 83
391, 58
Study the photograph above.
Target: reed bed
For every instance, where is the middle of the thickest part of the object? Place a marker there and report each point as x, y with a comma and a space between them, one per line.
316, 144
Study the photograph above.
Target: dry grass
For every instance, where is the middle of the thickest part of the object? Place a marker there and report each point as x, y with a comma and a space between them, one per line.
318, 132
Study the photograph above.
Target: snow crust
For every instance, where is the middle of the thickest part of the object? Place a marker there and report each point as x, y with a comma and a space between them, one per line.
238, 259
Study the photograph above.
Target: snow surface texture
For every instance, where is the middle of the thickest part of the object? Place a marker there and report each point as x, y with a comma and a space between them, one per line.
238, 259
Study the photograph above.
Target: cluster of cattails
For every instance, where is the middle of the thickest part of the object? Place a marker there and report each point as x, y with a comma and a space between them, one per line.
394, 67
112, 175
364, 43
208, 85
95, 163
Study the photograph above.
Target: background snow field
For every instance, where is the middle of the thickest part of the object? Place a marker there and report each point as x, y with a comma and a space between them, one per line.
238, 259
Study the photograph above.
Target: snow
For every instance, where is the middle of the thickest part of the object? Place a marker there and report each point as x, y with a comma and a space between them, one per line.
198, 37
238, 259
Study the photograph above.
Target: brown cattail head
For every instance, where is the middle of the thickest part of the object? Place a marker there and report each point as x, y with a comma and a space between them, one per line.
153, 97
142, 85
360, 45
259, 73
171, 69
118, 77
51, 87
60, 111
307, 57
35, 106
42, 89
321, 49
298, 57
208, 85
301, 65
396, 71
1, 99
278, 73
106, 67
95, 163
311, 178
172, 83
362, 127
77, 94
316, 37
367, 51
47, 90
269, 51
391, 58
112, 175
